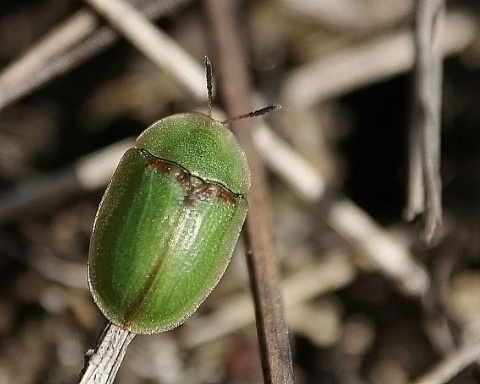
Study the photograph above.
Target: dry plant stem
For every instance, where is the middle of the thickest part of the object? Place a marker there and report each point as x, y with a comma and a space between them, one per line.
332, 273
34, 67
66, 47
87, 174
424, 194
19, 76
305, 179
383, 252
102, 363
148, 39
271, 327
366, 63
361, 232
67, 273
350, 14
415, 204
452, 365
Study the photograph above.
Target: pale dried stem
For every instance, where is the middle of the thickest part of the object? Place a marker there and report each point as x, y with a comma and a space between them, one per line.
154, 44
358, 15
452, 365
376, 60
425, 186
68, 46
89, 173
103, 363
332, 273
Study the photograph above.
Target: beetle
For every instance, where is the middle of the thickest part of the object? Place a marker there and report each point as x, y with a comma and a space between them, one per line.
169, 220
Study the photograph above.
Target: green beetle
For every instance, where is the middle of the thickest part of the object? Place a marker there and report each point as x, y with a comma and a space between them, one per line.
168, 222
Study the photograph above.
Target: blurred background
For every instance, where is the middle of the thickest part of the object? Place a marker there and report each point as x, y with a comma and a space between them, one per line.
342, 72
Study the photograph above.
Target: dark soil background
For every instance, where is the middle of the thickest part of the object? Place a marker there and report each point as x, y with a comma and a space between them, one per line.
362, 328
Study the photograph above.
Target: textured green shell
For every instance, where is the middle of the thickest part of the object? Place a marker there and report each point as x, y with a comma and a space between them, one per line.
168, 223
202, 145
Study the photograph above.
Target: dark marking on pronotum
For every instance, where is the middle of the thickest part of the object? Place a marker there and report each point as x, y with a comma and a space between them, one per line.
194, 187
225, 195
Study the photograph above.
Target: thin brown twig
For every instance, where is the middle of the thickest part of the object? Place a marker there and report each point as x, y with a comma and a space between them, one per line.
425, 186
271, 326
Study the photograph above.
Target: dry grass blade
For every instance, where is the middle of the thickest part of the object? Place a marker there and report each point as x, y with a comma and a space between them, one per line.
425, 184
135, 27
390, 257
73, 42
36, 66
363, 64
271, 326
335, 272
452, 365
86, 174
102, 364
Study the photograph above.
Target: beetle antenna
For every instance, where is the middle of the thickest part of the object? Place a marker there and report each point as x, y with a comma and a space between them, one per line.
257, 112
209, 76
